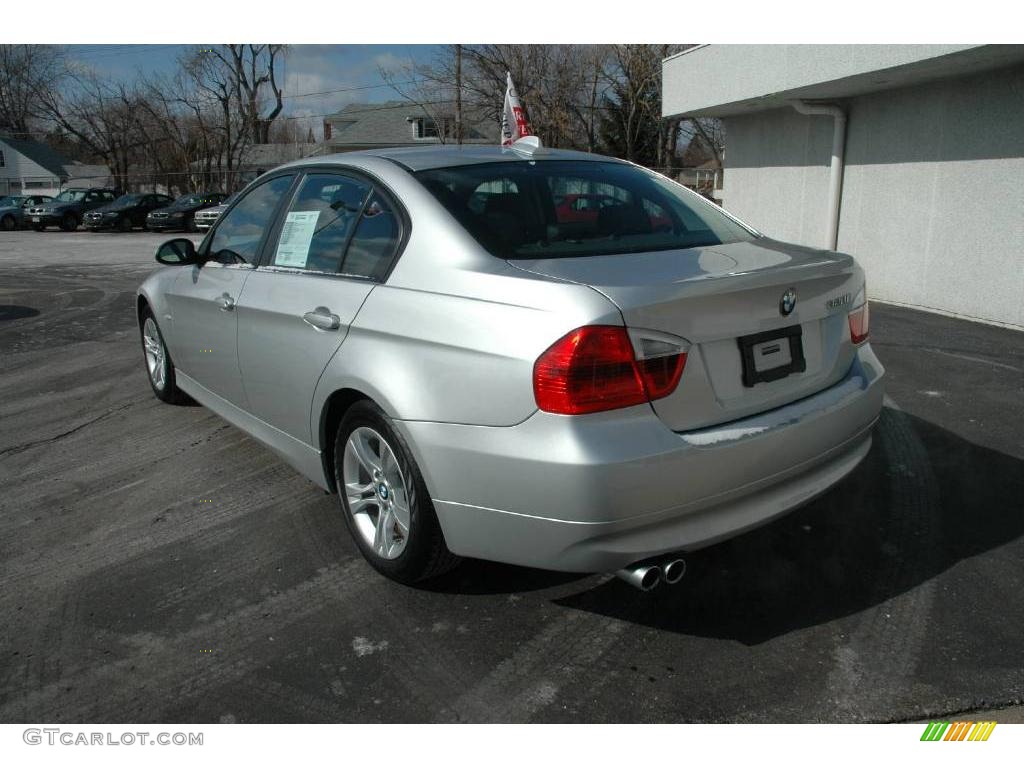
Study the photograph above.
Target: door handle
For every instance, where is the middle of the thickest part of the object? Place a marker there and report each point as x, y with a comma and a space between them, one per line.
322, 318
226, 301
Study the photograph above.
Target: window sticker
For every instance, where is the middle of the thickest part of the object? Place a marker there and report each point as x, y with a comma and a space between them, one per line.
296, 236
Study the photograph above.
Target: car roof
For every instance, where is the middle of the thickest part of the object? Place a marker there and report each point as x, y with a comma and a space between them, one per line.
450, 155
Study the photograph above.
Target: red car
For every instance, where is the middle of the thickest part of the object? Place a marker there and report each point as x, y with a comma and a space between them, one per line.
584, 208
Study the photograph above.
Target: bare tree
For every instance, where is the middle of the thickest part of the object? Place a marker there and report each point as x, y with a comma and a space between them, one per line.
709, 132
428, 87
102, 115
182, 125
26, 71
216, 87
560, 87
253, 70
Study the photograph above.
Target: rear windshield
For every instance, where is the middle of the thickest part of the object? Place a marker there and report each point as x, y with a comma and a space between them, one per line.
557, 208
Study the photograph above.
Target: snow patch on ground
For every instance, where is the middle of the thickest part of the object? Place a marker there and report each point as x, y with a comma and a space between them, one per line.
364, 647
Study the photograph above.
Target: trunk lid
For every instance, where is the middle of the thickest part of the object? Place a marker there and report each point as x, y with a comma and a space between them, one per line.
713, 296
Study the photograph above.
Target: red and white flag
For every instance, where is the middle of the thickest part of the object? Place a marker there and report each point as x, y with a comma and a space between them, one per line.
513, 120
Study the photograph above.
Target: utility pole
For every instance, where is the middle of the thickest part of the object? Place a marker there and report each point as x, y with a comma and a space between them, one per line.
458, 94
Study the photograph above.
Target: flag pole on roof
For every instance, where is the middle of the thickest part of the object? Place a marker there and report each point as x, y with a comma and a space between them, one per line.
513, 120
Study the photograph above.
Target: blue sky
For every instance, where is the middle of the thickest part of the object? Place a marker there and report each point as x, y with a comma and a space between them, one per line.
307, 69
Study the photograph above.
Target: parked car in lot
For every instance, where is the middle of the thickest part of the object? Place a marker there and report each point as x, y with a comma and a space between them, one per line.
125, 213
180, 214
13, 207
68, 208
489, 382
205, 218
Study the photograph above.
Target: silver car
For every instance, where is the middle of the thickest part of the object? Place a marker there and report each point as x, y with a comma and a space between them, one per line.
205, 218
479, 367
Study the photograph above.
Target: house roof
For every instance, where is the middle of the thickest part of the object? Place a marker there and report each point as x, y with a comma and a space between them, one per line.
39, 153
388, 124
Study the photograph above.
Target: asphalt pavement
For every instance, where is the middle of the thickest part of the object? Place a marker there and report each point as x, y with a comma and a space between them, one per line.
157, 565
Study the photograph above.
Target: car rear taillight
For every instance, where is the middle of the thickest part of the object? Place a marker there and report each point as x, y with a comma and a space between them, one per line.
860, 321
595, 368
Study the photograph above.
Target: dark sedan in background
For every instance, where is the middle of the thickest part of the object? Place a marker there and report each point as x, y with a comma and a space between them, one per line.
126, 213
181, 213
13, 207
68, 208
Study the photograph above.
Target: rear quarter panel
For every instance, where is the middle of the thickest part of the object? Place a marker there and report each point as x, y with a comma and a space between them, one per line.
453, 333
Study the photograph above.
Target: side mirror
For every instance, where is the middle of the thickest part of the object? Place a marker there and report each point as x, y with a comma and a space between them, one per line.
177, 252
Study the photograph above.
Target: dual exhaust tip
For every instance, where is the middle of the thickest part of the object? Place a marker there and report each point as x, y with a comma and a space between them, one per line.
647, 575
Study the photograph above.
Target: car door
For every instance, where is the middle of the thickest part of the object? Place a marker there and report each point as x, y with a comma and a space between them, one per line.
336, 241
203, 299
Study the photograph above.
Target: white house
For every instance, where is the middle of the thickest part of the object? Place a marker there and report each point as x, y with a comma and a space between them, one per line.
31, 167
909, 157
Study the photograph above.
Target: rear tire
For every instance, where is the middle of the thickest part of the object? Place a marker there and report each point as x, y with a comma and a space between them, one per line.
377, 476
159, 366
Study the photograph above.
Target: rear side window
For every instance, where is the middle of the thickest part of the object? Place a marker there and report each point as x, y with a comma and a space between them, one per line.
375, 240
238, 234
558, 208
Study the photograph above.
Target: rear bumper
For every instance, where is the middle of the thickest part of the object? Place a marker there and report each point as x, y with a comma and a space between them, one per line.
599, 492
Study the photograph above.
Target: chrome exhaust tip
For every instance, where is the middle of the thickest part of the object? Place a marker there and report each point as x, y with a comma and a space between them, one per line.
672, 571
644, 577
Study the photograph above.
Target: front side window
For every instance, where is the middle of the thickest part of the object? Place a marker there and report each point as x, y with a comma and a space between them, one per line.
320, 223
238, 234
70, 196
557, 208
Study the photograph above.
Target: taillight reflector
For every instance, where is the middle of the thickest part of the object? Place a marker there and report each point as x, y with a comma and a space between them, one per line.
860, 322
594, 368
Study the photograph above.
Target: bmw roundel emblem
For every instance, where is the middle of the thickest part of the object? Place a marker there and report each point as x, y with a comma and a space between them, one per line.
787, 302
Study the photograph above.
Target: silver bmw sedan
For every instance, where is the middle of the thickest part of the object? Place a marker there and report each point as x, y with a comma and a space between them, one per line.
539, 357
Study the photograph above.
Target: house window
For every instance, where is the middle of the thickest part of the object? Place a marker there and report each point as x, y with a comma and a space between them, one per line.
428, 128
1, 158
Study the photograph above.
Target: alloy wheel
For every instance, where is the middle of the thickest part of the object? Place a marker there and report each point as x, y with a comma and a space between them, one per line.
156, 357
376, 491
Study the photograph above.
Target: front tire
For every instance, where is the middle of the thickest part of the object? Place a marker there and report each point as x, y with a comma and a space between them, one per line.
69, 223
125, 224
384, 499
8, 224
159, 366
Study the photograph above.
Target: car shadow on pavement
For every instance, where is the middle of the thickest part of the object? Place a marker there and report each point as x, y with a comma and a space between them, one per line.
922, 501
